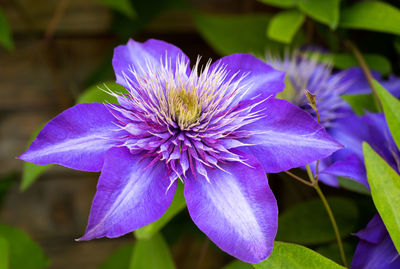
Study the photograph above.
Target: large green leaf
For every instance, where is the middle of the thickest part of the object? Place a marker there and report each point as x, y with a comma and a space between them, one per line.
233, 34
292, 256
123, 6
152, 253
280, 3
5, 33
178, 203
371, 15
391, 108
326, 11
93, 94
238, 265
4, 253
24, 252
361, 102
385, 190
120, 258
284, 25
308, 222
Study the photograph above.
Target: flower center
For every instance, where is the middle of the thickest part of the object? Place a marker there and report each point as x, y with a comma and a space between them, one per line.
184, 107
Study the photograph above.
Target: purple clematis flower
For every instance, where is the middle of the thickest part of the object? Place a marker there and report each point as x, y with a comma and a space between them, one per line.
376, 248
218, 130
371, 128
304, 72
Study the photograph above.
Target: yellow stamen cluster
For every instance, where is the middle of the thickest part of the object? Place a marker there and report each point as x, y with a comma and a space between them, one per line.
184, 107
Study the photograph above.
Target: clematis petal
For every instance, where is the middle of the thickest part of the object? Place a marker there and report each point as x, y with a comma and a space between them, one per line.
375, 249
135, 55
288, 137
236, 210
358, 83
352, 168
263, 80
128, 196
350, 131
380, 138
77, 138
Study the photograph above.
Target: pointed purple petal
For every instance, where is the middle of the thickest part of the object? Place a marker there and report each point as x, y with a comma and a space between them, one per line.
128, 196
289, 138
263, 80
375, 249
77, 138
374, 232
237, 211
134, 55
352, 168
350, 132
358, 83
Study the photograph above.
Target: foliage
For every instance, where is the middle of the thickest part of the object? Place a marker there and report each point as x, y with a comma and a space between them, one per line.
287, 255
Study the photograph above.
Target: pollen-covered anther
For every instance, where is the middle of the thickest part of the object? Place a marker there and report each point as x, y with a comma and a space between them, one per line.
184, 107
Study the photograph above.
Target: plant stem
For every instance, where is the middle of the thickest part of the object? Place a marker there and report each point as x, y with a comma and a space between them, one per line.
364, 66
330, 213
334, 224
299, 179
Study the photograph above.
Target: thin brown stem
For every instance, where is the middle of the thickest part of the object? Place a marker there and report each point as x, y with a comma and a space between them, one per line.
299, 179
364, 66
334, 224
330, 213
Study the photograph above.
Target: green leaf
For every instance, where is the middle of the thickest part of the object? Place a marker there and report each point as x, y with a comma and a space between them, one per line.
391, 108
361, 102
5, 33
238, 265
287, 255
177, 205
284, 25
120, 258
94, 94
4, 253
152, 253
308, 223
371, 15
31, 171
234, 34
24, 252
123, 6
326, 11
385, 190
280, 3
